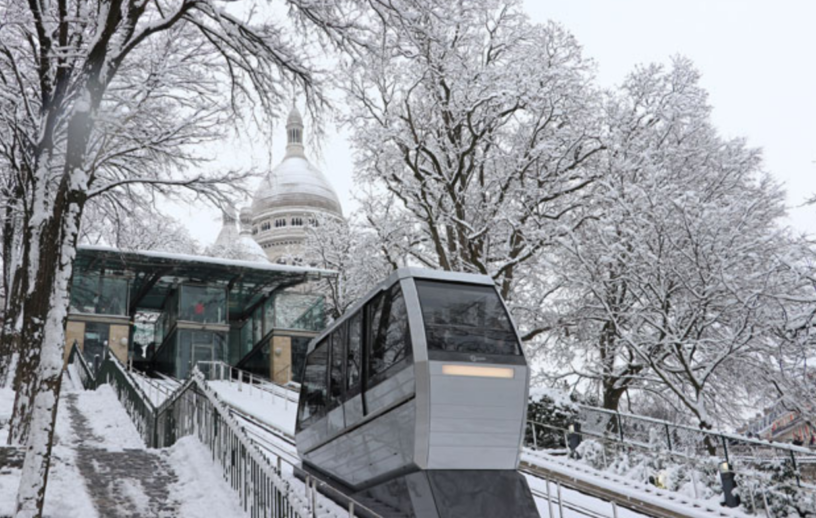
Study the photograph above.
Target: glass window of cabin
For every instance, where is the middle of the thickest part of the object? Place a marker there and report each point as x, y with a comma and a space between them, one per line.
205, 304
465, 318
354, 356
390, 339
314, 383
336, 382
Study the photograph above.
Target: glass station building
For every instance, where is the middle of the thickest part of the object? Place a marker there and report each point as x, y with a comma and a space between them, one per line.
168, 311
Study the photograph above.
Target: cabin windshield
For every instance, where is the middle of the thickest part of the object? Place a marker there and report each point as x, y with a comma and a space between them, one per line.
465, 318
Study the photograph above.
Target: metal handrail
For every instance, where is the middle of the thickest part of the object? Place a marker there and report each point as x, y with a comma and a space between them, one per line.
194, 409
755, 485
711, 433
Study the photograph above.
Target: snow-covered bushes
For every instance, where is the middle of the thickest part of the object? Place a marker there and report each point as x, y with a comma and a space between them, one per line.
553, 408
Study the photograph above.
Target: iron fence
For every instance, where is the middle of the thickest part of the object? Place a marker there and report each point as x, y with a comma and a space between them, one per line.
194, 410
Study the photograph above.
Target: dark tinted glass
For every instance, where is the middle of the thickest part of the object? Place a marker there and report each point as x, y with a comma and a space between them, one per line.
336, 384
355, 350
390, 339
465, 318
314, 382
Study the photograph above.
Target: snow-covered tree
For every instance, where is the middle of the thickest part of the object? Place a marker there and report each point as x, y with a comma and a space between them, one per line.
354, 252
137, 228
669, 278
477, 127
101, 96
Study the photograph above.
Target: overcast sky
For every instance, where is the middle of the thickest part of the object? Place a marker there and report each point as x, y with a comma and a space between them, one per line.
756, 59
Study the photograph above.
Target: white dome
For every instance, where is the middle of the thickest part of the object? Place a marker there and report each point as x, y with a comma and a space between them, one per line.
295, 182
249, 250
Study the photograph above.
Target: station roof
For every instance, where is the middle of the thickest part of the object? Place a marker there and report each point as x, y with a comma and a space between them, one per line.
153, 274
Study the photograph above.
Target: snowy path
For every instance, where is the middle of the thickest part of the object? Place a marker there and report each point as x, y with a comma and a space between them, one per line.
101, 469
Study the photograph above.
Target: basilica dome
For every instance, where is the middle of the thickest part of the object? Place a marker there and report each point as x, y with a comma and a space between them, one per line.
295, 182
291, 197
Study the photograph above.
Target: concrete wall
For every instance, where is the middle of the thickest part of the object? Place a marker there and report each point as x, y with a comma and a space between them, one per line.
74, 331
118, 346
280, 359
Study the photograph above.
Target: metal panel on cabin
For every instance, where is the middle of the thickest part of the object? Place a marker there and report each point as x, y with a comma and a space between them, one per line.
476, 422
376, 448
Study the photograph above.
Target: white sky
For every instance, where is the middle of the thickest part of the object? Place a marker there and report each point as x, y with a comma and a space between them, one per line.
756, 59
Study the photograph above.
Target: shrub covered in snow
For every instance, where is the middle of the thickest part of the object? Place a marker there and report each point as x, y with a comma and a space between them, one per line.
553, 408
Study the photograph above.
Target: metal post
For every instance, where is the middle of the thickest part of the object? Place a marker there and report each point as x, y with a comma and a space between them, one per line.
620, 427
549, 499
694, 482
535, 441
560, 504
351, 509
795, 469
668, 436
279, 465
314, 498
765, 501
725, 448
614, 510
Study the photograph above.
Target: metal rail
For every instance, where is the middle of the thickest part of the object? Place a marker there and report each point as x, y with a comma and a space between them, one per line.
754, 488
193, 409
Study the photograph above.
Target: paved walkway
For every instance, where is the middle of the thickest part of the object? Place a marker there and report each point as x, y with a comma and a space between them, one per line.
131, 483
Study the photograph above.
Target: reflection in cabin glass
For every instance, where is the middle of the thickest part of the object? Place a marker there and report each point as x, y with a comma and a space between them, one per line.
389, 336
466, 319
315, 382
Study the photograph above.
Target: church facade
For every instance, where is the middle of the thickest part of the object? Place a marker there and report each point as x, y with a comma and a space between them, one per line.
291, 198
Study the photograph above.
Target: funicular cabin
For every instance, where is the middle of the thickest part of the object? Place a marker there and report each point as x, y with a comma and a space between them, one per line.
168, 311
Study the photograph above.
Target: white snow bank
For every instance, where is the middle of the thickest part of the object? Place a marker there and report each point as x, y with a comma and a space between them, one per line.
108, 420
201, 489
6, 406
66, 495
271, 409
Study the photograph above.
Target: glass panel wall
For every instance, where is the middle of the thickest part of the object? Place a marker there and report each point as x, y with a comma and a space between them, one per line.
94, 293
186, 347
258, 325
95, 343
299, 311
204, 304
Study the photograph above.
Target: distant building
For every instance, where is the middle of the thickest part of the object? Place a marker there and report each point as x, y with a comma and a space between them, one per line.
291, 197
169, 311
779, 424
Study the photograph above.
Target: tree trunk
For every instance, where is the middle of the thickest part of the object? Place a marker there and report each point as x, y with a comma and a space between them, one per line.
46, 311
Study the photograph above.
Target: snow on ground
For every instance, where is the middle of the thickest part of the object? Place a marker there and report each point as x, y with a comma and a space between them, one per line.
6, 405
201, 489
573, 502
9, 478
274, 410
66, 495
112, 428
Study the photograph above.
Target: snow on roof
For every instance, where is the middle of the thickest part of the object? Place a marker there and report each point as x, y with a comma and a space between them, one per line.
253, 265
